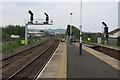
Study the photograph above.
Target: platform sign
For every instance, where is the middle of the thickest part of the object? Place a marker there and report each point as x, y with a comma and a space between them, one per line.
88, 39
22, 41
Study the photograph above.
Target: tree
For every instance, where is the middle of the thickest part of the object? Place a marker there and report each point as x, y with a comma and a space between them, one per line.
7, 31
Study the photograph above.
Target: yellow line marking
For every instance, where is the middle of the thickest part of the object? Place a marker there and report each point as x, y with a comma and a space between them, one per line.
63, 63
109, 60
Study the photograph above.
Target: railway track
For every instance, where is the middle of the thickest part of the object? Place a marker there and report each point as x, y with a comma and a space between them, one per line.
7, 60
31, 70
13, 67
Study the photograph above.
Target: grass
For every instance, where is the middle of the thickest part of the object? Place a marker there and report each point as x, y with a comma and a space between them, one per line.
16, 44
10, 46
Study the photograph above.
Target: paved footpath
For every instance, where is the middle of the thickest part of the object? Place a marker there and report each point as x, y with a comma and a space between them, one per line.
87, 65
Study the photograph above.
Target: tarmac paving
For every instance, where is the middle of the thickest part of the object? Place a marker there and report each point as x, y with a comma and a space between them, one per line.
88, 66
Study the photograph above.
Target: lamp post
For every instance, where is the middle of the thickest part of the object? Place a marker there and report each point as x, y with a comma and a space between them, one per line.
71, 27
80, 44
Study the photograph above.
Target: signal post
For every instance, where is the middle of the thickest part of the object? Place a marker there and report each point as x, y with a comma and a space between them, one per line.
32, 21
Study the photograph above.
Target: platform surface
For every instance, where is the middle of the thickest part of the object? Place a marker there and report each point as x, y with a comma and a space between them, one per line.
56, 68
87, 65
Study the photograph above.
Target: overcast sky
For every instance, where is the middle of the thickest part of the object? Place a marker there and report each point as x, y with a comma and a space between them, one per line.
94, 13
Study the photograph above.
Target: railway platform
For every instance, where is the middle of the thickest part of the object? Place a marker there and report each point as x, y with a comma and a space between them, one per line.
56, 66
91, 65
67, 64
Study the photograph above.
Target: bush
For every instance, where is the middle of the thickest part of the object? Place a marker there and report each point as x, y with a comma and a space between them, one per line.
118, 44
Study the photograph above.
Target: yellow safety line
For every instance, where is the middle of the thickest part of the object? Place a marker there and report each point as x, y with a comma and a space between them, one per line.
63, 64
101, 58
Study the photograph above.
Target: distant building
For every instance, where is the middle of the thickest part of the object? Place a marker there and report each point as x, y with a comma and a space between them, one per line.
35, 33
114, 36
115, 33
